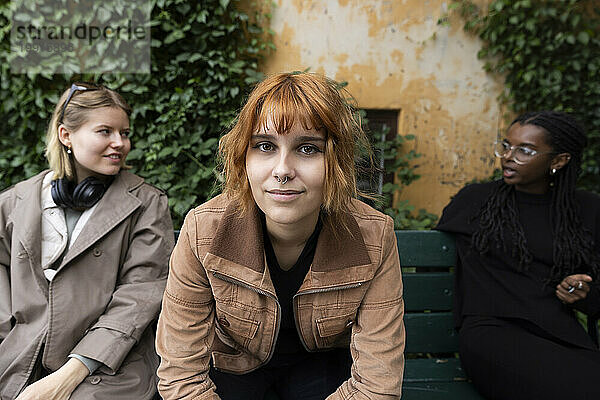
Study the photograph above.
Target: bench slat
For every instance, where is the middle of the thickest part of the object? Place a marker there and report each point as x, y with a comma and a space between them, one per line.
440, 391
428, 291
430, 333
433, 370
426, 249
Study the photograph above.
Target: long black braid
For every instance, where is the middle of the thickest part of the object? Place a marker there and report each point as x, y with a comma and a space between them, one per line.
573, 250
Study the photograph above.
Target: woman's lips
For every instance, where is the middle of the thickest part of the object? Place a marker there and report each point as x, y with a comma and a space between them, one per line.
508, 172
115, 158
284, 195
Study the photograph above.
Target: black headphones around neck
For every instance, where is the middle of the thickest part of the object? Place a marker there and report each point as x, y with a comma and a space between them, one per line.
83, 195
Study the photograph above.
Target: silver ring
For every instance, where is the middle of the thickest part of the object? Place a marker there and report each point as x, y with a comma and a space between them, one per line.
571, 289
580, 285
284, 180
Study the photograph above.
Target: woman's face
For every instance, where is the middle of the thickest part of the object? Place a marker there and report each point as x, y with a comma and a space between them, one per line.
101, 144
533, 176
299, 157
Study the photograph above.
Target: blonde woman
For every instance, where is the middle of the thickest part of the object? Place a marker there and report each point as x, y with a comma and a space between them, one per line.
84, 248
285, 281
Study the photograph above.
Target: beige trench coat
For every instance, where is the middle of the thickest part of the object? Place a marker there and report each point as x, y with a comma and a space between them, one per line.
106, 292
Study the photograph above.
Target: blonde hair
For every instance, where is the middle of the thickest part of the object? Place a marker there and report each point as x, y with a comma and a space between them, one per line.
314, 101
75, 115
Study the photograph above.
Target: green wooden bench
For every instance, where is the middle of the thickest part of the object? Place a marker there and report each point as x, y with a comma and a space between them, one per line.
432, 370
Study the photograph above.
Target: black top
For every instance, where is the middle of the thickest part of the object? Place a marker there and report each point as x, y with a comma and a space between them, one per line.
493, 284
286, 285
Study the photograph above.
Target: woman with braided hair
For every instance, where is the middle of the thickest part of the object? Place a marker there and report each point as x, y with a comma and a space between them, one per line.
529, 255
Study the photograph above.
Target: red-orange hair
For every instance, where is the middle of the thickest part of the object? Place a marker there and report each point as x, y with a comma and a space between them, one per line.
314, 101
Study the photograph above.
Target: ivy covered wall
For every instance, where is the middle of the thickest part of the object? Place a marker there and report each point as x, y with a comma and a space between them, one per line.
203, 56
548, 52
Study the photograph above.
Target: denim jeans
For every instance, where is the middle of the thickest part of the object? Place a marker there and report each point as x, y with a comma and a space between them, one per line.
306, 376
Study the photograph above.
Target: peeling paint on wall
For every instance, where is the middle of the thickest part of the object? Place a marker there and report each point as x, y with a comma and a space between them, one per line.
394, 55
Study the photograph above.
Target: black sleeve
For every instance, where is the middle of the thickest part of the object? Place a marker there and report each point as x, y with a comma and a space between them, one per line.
590, 209
591, 304
460, 218
460, 215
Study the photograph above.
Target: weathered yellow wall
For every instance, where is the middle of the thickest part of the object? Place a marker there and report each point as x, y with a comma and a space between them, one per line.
395, 56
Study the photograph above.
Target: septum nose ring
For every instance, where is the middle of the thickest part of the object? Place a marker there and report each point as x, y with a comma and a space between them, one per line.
283, 182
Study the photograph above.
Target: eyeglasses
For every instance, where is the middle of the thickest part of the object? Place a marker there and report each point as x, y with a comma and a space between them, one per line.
74, 87
521, 154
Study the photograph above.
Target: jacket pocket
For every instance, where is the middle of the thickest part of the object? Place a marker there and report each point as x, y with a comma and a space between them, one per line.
336, 325
240, 329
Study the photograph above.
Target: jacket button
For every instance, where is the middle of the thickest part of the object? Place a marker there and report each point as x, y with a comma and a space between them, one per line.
94, 380
223, 321
349, 324
97, 252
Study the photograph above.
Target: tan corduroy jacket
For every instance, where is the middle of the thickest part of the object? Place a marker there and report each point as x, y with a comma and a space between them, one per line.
106, 292
220, 302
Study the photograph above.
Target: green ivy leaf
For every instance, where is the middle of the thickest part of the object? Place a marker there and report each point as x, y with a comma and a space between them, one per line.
583, 38
179, 111
551, 64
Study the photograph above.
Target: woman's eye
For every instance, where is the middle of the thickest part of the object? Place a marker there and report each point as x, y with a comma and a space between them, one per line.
125, 133
264, 147
308, 149
526, 151
104, 131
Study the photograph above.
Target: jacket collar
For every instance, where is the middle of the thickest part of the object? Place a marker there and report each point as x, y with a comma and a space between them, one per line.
237, 251
117, 204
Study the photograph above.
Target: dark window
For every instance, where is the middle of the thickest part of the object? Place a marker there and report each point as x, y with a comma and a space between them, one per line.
376, 122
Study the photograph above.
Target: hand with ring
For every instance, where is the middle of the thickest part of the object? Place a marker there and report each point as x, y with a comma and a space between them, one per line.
573, 288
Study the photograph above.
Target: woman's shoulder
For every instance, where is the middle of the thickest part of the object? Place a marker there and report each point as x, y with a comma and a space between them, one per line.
476, 191
588, 199
7, 193
139, 187
362, 210
209, 213
589, 208
214, 218
21, 188
215, 206
589, 212
368, 217
458, 215
7, 199
471, 197
371, 222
